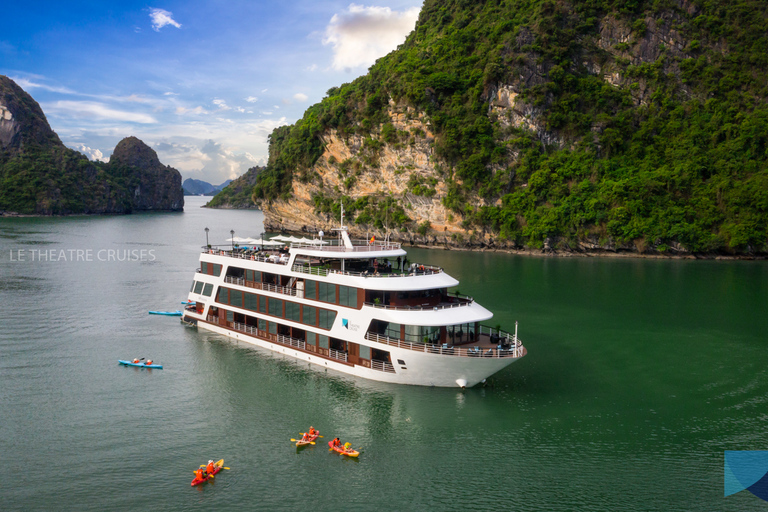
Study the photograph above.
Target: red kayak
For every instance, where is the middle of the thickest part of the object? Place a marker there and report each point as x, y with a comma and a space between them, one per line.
341, 450
216, 468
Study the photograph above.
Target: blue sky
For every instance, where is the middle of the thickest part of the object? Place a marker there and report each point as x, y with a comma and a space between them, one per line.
201, 82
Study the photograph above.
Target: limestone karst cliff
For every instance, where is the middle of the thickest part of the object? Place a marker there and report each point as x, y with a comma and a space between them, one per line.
574, 126
41, 176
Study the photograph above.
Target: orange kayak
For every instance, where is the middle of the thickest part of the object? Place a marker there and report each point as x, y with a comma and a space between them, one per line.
341, 450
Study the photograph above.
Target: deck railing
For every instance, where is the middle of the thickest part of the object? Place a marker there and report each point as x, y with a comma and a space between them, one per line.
337, 354
263, 286
516, 347
247, 255
421, 270
335, 245
462, 301
382, 366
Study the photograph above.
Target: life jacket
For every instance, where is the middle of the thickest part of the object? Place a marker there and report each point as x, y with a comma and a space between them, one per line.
210, 468
199, 473
149, 362
135, 360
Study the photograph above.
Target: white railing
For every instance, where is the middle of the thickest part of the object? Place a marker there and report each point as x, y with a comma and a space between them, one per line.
421, 270
262, 286
335, 245
247, 255
463, 301
337, 354
382, 366
293, 342
516, 347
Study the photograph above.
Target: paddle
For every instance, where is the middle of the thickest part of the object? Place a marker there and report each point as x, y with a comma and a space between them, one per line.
297, 440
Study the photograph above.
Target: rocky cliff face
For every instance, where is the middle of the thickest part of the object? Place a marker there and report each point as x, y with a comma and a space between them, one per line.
39, 175
22, 121
158, 186
613, 52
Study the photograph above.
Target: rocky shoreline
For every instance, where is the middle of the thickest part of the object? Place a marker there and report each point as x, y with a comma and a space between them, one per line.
587, 250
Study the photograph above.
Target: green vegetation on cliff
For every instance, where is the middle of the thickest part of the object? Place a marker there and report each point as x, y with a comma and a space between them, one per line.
651, 119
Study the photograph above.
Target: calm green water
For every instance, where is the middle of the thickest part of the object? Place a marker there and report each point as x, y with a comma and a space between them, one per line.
639, 375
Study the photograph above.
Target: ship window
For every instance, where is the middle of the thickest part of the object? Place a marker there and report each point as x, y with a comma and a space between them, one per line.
348, 296
310, 289
322, 341
216, 269
262, 324
203, 267
250, 301
223, 295
236, 298
275, 307
262, 304
293, 311
422, 334
192, 288
392, 330
326, 318
208, 289
272, 328
230, 316
199, 286
401, 362
327, 292
310, 315
365, 352
311, 338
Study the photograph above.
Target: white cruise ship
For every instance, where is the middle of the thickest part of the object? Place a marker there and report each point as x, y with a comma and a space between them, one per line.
344, 305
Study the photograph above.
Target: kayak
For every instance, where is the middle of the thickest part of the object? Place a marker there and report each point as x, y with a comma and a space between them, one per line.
341, 450
140, 365
301, 442
167, 313
217, 467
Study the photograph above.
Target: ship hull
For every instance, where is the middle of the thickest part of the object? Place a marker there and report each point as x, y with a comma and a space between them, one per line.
422, 369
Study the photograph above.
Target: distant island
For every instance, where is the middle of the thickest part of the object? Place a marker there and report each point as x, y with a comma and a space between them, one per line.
41, 176
239, 193
193, 187
558, 127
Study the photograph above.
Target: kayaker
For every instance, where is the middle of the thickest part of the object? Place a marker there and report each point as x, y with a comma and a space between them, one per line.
200, 474
210, 468
312, 431
347, 447
149, 361
135, 361
336, 443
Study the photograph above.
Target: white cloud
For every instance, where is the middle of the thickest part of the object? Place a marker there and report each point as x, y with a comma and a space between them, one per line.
26, 83
161, 18
93, 154
300, 96
194, 111
362, 34
94, 110
221, 104
251, 99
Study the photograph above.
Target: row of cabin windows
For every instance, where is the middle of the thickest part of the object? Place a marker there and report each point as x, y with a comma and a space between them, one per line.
201, 288
326, 292
280, 308
212, 269
311, 338
315, 290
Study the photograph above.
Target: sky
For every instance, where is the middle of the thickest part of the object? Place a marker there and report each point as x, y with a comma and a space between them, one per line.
202, 82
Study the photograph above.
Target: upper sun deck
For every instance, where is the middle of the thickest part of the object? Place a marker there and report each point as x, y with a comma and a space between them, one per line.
355, 249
